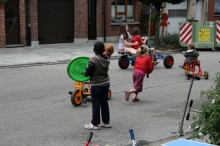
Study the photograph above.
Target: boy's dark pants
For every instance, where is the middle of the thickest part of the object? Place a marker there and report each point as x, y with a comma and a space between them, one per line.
99, 99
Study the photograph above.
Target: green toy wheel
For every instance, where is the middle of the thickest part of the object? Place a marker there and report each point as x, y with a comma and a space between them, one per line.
76, 67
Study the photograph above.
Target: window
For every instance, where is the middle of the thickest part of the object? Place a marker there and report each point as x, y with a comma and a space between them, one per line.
177, 13
123, 8
217, 7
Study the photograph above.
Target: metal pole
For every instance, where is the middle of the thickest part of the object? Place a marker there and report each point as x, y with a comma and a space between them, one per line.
148, 42
180, 130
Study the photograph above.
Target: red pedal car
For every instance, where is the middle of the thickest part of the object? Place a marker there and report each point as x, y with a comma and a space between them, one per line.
194, 69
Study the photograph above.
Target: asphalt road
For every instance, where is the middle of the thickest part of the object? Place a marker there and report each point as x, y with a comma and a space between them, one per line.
36, 108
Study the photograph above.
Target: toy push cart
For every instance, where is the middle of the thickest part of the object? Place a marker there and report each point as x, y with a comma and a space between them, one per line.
82, 88
81, 91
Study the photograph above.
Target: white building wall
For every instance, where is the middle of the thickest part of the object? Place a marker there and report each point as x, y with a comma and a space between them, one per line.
199, 10
173, 23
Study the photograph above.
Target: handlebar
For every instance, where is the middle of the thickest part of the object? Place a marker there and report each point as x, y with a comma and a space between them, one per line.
132, 134
89, 139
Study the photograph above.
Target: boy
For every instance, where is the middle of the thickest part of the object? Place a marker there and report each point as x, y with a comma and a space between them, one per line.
97, 69
190, 54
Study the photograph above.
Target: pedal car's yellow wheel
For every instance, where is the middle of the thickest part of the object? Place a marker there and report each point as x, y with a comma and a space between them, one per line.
122, 62
206, 75
75, 98
186, 70
85, 92
109, 94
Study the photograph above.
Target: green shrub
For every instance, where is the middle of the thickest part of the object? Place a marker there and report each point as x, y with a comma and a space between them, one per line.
172, 39
206, 123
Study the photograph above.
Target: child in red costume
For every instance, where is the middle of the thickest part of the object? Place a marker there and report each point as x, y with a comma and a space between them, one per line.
136, 38
142, 41
143, 66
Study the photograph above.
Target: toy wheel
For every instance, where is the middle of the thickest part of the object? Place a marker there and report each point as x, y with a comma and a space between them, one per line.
168, 61
206, 75
75, 98
122, 62
187, 77
85, 92
109, 94
186, 70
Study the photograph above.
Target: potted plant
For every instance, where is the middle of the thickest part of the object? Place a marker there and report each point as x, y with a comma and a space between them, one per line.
118, 19
130, 19
2, 2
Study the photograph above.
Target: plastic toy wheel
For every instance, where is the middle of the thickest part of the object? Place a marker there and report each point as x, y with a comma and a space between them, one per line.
206, 75
187, 76
122, 63
109, 94
168, 61
85, 92
75, 98
186, 70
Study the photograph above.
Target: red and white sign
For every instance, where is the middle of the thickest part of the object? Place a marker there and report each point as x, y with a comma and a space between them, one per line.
217, 32
186, 33
163, 24
164, 17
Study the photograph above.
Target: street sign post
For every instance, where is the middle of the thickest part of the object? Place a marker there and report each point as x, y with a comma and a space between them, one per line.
164, 18
150, 10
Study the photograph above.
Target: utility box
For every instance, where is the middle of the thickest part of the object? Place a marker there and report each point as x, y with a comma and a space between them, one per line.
204, 35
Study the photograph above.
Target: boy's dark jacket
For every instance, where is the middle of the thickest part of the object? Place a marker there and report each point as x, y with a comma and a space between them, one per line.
97, 69
192, 55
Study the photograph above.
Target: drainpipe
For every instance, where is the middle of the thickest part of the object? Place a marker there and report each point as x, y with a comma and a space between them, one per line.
104, 17
28, 25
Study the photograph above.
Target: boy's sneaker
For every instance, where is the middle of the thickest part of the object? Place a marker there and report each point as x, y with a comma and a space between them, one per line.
105, 125
135, 100
127, 95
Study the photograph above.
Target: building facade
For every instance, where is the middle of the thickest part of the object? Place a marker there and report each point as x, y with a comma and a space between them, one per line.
34, 22
213, 10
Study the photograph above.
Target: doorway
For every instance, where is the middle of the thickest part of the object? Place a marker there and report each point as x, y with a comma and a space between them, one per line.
12, 22
92, 19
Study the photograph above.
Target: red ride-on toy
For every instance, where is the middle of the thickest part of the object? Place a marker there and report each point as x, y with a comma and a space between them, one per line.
194, 69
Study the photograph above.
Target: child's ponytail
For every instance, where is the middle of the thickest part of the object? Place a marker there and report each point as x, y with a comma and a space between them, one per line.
138, 51
142, 50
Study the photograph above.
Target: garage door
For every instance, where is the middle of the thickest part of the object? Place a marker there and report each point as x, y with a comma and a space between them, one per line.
55, 21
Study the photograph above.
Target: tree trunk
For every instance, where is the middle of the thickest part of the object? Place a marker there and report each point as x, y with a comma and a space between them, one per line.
157, 29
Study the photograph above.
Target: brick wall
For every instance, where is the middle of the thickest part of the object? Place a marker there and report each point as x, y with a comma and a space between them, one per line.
34, 20
113, 30
2, 28
81, 18
211, 17
22, 22
99, 18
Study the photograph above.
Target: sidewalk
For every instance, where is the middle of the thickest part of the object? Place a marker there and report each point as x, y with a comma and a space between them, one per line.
47, 53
